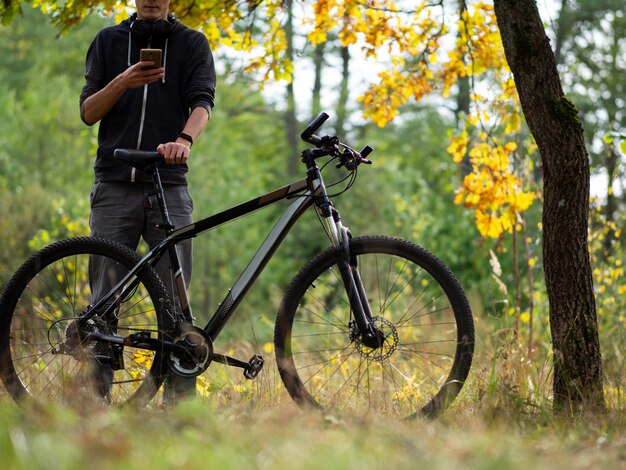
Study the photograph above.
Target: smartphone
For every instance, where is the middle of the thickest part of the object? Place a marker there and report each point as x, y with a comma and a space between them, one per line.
151, 54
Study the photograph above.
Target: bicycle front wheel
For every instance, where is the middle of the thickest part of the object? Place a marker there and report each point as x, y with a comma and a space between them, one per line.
44, 355
416, 302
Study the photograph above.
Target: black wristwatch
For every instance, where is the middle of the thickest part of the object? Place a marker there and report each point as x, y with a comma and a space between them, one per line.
186, 137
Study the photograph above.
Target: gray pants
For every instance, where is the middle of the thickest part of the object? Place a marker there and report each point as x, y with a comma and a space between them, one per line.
124, 212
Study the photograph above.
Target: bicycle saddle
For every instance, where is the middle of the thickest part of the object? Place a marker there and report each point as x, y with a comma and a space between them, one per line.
138, 158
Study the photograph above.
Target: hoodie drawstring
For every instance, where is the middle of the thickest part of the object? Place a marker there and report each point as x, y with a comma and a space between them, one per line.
130, 39
164, 58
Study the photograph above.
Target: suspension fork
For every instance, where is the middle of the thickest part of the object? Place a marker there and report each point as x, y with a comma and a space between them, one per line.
340, 239
348, 268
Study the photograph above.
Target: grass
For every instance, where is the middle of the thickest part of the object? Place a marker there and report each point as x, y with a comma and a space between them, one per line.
490, 426
501, 420
199, 435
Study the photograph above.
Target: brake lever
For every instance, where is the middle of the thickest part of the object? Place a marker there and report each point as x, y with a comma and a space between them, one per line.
350, 158
356, 161
352, 162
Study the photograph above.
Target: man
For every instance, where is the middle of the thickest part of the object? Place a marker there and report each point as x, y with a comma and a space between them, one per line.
141, 105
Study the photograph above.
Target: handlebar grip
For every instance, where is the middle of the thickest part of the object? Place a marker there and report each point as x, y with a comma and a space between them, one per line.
307, 135
366, 151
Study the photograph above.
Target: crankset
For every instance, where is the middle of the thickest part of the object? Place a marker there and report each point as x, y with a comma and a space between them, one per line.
193, 356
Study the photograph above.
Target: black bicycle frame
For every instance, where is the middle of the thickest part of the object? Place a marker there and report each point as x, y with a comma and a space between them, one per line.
303, 200
306, 192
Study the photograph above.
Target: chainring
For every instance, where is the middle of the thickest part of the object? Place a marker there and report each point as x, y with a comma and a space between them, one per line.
197, 354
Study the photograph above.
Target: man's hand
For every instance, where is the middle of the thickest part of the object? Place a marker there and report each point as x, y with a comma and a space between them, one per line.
141, 74
175, 153
97, 105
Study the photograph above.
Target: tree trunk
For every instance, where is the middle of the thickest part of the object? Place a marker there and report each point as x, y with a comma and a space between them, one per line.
342, 104
554, 123
318, 66
291, 121
611, 162
463, 100
563, 27
463, 96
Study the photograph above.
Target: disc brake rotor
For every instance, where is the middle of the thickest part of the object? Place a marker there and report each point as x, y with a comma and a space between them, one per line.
390, 334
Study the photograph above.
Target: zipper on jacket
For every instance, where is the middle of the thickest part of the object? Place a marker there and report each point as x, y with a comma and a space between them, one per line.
141, 122
143, 115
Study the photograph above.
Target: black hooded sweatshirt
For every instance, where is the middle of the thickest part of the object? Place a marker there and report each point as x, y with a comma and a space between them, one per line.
153, 114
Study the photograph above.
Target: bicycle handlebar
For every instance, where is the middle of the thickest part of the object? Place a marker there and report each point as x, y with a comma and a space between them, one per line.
330, 145
308, 134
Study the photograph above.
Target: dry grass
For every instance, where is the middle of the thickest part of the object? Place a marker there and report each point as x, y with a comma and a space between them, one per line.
199, 434
501, 420
493, 425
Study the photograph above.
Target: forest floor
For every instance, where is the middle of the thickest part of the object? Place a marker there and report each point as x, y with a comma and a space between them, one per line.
243, 434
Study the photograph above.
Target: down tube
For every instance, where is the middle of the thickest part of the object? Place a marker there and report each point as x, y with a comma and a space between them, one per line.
257, 263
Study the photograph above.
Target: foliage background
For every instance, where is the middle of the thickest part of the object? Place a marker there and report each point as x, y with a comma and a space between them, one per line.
46, 157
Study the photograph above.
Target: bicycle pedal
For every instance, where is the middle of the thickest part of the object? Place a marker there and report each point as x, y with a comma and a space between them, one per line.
255, 364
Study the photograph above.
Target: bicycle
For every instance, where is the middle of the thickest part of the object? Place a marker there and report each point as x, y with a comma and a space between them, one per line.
371, 324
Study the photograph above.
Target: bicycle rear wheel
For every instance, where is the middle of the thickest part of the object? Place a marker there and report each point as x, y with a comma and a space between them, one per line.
43, 356
416, 302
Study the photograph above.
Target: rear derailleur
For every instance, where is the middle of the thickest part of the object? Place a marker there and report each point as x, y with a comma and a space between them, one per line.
78, 337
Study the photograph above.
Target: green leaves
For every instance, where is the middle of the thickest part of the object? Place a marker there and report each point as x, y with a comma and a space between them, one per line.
610, 138
8, 10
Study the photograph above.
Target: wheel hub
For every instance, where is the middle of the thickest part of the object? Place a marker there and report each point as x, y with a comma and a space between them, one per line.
387, 331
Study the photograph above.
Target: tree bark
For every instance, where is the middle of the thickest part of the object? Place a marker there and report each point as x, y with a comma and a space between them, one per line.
463, 96
344, 92
554, 123
291, 121
318, 66
611, 162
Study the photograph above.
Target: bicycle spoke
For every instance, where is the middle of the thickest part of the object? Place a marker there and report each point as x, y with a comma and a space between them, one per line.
330, 376
432, 312
420, 325
66, 287
310, 335
44, 316
356, 387
347, 380
40, 314
413, 313
325, 321
325, 308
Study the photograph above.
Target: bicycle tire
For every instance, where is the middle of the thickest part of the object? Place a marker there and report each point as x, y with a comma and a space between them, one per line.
418, 304
38, 309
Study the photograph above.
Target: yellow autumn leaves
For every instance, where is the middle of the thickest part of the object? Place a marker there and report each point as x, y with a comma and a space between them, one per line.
419, 48
491, 188
421, 59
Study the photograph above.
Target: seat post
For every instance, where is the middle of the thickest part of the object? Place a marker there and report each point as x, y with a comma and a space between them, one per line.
160, 195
